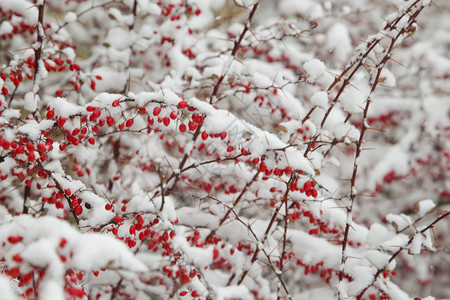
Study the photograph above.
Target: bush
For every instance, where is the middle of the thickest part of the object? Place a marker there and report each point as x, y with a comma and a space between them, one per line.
224, 149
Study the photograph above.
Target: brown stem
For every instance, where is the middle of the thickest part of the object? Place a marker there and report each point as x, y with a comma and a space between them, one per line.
60, 188
364, 127
40, 39
237, 44
235, 203
269, 227
441, 217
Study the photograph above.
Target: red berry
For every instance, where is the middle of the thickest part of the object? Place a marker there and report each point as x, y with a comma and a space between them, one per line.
182, 127
27, 278
110, 121
204, 136
192, 126
215, 254
78, 210
116, 103
96, 113
4, 91
166, 121
129, 122
182, 104
118, 219
15, 239
41, 147
140, 219
17, 258
50, 114
156, 110
62, 243
76, 292
184, 278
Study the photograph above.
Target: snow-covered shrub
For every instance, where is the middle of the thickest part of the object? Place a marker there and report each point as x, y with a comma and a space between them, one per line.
244, 149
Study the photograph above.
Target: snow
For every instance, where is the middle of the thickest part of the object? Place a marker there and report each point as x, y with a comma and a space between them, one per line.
148, 7
94, 251
111, 79
320, 99
399, 221
339, 42
233, 291
282, 71
394, 159
10, 114
387, 78
70, 17
98, 215
377, 259
34, 129
315, 69
318, 250
424, 207
64, 108
246, 3
116, 14
91, 251
355, 95
7, 288
31, 101
119, 38
5, 28
346, 132
24, 7
200, 257
309, 9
